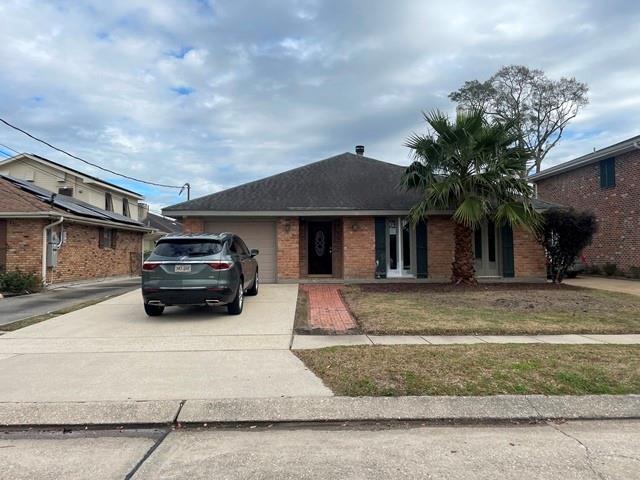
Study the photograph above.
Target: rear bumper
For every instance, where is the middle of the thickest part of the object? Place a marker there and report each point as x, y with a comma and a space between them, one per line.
188, 296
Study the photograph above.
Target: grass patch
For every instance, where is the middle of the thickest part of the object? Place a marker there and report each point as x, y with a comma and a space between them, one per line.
500, 309
26, 322
477, 369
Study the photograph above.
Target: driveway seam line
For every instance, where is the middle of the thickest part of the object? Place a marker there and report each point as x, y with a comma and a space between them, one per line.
147, 454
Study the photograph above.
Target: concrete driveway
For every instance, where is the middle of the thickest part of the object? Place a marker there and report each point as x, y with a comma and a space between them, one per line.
113, 351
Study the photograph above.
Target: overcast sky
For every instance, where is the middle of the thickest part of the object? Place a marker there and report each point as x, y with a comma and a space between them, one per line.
221, 93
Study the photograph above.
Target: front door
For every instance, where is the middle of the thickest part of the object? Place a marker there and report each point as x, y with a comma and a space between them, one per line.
485, 249
320, 248
400, 240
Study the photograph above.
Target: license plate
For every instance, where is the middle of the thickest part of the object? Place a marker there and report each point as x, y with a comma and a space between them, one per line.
182, 268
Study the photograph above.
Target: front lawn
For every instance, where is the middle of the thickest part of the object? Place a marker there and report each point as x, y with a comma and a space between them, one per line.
495, 309
477, 369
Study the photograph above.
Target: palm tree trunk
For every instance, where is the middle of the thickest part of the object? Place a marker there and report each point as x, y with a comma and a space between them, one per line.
463, 269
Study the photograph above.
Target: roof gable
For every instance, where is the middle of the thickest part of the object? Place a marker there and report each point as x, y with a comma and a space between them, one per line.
45, 161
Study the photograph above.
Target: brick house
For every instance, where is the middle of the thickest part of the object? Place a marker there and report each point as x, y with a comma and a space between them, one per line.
64, 239
607, 183
345, 217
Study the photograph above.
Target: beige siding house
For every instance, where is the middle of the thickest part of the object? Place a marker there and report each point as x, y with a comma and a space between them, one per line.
63, 180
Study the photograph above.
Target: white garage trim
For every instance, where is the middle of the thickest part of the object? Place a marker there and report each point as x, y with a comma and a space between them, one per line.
256, 233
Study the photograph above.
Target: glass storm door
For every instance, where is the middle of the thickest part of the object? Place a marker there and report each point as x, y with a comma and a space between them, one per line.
485, 250
399, 247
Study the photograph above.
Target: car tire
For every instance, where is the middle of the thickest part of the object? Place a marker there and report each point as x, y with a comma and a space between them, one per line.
235, 307
253, 291
153, 310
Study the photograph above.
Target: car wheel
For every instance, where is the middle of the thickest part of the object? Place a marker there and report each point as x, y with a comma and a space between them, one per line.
153, 310
235, 307
253, 291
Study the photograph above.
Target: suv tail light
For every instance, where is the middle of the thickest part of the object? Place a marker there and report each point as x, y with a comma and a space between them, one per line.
148, 266
220, 265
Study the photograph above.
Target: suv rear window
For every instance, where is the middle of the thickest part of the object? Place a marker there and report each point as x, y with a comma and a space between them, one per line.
187, 248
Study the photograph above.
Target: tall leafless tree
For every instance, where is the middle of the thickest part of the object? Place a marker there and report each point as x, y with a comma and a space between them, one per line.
541, 108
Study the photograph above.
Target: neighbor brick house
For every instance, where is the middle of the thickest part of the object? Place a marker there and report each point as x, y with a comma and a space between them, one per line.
345, 217
607, 183
62, 239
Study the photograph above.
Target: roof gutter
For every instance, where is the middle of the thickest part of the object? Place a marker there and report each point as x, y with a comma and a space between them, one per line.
618, 149
75, 219
44, 246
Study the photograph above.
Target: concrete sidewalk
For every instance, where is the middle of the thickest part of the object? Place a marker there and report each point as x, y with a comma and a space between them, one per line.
20, 307
302, 342
239, 411
603, 283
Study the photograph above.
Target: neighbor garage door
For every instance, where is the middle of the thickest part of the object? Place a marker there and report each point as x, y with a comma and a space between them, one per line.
256, 234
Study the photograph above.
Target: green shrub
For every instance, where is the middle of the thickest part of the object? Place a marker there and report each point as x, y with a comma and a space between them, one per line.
594, 270
609, 269
634, 272
17, 281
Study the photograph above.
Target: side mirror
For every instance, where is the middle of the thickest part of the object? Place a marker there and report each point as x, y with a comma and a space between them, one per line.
254, 252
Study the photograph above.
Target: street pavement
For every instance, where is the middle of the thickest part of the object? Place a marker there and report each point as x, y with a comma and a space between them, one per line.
571, 450
112, 351
24, 306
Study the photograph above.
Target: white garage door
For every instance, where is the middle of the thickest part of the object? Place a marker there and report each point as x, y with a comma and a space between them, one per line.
256, 234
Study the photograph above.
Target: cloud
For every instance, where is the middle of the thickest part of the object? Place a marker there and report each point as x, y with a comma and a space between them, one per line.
220, 93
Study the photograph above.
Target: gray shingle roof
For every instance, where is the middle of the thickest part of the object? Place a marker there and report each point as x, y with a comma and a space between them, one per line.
162, 224
345, 182
342, 182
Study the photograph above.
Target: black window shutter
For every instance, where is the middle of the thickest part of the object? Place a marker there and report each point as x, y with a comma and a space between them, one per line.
101, 238
421, 249
508, 267
381, 247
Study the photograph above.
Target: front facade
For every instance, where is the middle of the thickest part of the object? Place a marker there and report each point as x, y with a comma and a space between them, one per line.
346, 218
606, 183
63, 180
64, 241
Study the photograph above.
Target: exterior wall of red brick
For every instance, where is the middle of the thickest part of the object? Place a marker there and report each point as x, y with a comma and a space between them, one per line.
617, 209
79, 258
192, 225
440, 247
528, 255
24, 245
359, 247
288, 245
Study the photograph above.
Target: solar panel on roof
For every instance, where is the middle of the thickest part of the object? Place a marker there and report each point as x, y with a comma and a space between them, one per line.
70, 204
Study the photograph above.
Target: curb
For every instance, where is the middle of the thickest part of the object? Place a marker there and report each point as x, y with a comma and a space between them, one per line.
301, 411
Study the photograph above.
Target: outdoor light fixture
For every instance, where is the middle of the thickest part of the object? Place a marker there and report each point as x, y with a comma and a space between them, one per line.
355, 226
287, 226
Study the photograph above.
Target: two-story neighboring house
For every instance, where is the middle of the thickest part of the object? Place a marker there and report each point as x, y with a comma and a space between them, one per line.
63, 180
605, 182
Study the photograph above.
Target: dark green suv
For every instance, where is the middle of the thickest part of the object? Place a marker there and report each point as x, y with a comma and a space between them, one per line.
203, 269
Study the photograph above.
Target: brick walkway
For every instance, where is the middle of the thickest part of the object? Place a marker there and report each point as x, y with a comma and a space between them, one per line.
327, 311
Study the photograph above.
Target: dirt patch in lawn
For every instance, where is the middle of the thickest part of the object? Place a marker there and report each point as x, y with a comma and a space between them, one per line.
491, 309
477, 369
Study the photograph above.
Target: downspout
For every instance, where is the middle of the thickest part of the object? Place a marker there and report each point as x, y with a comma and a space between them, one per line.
44, 247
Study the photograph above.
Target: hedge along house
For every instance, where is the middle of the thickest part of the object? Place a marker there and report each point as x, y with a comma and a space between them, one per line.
345, 218
62, 239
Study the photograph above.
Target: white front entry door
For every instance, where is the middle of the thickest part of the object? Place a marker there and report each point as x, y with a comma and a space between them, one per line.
400, 247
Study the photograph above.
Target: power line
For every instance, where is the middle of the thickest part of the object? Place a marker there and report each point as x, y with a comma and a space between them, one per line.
9, 148
87, 161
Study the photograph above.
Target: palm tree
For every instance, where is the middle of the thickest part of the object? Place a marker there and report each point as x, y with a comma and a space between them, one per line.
475, 169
